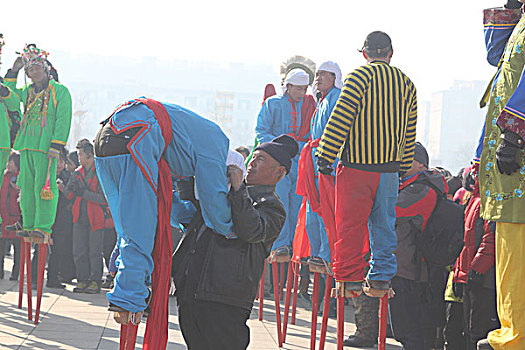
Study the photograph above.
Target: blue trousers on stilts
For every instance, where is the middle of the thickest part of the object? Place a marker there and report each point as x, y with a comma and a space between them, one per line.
292, 203
133, 205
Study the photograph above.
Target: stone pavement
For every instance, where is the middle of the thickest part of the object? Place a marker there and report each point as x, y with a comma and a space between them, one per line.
81, 321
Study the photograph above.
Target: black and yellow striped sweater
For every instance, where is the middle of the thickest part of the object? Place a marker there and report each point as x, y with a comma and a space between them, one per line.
373, 125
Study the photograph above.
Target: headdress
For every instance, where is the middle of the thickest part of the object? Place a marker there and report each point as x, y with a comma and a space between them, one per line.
32, 55
297, 61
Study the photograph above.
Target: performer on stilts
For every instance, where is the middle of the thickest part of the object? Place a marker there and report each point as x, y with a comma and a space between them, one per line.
138, 150
290, 114
502, 168
375, 142
43, 133
328, 85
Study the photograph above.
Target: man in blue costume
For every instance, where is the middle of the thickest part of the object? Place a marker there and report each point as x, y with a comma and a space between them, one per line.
141, 146
288, 114
328, 84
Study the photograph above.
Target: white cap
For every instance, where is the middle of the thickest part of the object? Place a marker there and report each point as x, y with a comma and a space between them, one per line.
333, 67
296, 76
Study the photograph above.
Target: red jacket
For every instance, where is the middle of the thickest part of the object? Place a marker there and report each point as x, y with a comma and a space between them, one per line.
9, 208
95, 209
479, 250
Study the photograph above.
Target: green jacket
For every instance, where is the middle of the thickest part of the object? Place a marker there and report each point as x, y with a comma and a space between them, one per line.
502, 195
47, 116
9, 103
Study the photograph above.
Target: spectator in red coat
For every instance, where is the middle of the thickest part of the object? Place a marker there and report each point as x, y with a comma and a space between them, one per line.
89, 205
10, 212
475, 272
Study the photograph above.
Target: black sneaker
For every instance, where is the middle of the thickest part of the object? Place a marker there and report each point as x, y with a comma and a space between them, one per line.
13, 278
358, 342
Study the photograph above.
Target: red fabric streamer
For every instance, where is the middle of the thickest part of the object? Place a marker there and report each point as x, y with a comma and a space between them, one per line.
156, 336
307, 111
301, 243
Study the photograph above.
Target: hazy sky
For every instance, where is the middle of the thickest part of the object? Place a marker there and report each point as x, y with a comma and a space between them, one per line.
435, 42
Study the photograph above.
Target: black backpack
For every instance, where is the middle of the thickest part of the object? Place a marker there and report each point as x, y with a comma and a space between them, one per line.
442, 240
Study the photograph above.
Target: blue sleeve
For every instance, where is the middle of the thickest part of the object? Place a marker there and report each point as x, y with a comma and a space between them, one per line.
479, 149
265, 120
498, 26
512, 117
181, 211
211, 182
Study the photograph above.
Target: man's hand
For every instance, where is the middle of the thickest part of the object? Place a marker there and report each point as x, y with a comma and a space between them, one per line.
324, 166
506, 152
235, 175
18, 64
475, 278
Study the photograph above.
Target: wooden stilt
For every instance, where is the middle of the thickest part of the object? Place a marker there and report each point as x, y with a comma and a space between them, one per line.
42, 255
21, 273
261, 293
383, 317
315, 308
326, 311
340, 320
289, 287
275, 270
295, 290
29, 287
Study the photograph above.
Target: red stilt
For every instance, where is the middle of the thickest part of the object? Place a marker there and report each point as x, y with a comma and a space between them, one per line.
383, 316
295, 290
42, 255
326, 311
261, 293
29, 287
123, 336
340, 320
275, 270
281, 281
315, 308
128, 336
131, 336
289, 287
21, 273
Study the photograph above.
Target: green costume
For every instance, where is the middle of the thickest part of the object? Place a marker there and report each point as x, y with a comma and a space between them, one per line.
502, 195
9, 103
45, 127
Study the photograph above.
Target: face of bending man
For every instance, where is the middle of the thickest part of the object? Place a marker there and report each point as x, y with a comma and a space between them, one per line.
263, 169
325, 80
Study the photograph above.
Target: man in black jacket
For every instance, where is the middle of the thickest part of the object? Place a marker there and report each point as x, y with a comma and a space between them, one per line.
216, 278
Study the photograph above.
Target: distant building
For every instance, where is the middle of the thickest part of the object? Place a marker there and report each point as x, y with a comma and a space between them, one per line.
230, 95
454, 124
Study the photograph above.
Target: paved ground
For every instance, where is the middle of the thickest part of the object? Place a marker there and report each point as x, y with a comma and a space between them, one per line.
81, 321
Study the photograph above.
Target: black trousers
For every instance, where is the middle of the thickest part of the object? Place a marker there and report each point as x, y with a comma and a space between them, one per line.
17, 246
481, 316
208, 325
406, 311
453, 332
61, 256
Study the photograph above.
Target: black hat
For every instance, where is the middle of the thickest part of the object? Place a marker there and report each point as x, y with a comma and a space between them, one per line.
377, 42
282, 148
420, 154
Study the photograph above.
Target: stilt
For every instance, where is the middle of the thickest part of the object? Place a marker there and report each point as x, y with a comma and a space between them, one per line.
29, 287
42, 255
261, 293
21, 272
340, 320
326, 311
281, 281
383, 316
289, 287
315, 308
295, 290
128, 336
275, 270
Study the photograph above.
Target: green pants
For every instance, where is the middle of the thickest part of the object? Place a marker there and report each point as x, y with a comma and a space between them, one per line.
4, 157
38, 214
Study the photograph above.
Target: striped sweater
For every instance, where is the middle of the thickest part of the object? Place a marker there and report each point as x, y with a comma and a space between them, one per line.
374, 121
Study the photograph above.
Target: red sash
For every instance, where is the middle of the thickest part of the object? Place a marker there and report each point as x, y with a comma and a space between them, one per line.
156, 336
